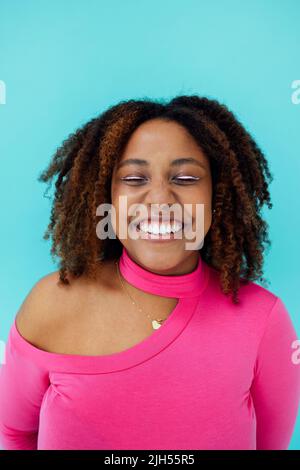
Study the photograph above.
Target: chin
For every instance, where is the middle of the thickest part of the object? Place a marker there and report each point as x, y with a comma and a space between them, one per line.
157, 259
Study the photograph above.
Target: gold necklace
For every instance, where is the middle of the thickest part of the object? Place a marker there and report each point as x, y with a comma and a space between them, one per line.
155, 323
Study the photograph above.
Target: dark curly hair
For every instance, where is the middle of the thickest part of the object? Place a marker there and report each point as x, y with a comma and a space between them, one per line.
84, 163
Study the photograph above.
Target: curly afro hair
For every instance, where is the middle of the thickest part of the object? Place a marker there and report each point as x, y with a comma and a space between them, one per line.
83, 166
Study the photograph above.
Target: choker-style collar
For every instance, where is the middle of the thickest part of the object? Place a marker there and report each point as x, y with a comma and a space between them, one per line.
178, 286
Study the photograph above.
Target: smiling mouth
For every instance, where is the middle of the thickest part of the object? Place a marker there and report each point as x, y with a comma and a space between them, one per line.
160, 231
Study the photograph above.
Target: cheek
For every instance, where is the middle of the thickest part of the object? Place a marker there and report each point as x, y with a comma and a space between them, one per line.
118, 196
200, 195
118, 190
121, 200
115, 201
202, 215
207, 200
125, 200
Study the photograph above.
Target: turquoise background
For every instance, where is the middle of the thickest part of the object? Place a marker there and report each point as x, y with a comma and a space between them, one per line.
63, 62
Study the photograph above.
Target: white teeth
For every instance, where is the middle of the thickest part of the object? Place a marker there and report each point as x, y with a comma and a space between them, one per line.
161, 229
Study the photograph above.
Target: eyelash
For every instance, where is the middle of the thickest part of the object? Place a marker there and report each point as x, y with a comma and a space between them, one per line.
135, 179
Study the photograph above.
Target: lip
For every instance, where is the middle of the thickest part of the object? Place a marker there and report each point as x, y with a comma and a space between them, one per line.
167, 237
163, 238
158, 220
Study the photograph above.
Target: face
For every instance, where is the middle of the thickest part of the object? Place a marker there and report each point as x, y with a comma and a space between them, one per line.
168, 168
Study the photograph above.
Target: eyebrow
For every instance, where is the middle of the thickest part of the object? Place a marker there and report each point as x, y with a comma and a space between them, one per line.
176, 162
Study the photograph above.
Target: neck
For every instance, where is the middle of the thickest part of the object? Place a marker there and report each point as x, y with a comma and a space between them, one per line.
181, 284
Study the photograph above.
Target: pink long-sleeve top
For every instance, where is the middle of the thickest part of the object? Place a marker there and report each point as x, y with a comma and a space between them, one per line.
214, 376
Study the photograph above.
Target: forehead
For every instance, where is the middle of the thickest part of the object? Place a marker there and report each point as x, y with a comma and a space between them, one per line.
166, 139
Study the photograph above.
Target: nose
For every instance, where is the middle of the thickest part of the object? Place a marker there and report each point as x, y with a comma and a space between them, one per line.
160, 192
160, 199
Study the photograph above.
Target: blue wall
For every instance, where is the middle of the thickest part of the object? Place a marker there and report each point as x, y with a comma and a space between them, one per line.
65, 61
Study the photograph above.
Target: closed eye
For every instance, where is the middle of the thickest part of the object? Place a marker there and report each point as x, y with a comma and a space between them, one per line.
133, 179
179, 179
186, 179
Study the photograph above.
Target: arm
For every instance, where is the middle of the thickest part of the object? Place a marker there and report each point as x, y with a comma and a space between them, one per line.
22, 387
275, 388
24, 380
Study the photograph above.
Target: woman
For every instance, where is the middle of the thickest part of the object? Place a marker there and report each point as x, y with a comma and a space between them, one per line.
141, 342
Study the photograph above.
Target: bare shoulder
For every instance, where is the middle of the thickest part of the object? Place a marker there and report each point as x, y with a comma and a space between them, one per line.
50, 307
42, 305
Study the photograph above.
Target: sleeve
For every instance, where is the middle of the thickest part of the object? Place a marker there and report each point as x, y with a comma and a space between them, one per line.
22, 386
275, 388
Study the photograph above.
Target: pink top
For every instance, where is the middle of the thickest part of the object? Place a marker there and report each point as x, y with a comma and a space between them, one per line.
214, 376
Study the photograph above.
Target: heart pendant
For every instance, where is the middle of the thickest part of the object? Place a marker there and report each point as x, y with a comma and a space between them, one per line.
155, 324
